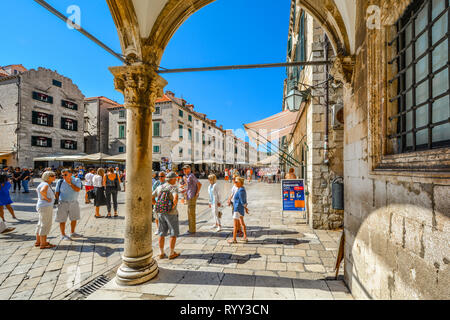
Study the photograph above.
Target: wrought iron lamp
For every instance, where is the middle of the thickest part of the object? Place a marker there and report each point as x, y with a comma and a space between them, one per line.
295, 98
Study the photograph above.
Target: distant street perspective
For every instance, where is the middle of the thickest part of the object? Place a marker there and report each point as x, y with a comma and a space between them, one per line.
224, 150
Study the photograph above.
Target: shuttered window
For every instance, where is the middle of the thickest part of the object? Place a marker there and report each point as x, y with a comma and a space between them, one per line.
68, 144
44, 142
42, 119
69, 124
42, 97
121, 131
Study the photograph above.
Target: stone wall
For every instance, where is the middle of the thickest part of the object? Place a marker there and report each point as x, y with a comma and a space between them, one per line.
320, 173
397, 225
8, 116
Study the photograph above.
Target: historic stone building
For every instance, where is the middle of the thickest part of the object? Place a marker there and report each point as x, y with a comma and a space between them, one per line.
180, 135
392, 58
41, 114
316, 147
96, 124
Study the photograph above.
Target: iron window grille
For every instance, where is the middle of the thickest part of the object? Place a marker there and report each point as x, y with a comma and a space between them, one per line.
422, 79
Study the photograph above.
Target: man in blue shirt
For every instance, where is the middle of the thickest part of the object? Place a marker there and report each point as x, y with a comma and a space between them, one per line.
67, 190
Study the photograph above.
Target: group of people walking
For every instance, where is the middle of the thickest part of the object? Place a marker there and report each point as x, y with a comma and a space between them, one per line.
166, 196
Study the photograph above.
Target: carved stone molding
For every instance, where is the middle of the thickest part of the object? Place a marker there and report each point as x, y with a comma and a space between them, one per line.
140, 85
392, 10
342, 69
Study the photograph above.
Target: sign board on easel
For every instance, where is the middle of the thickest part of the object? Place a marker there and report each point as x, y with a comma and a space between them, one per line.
293, 195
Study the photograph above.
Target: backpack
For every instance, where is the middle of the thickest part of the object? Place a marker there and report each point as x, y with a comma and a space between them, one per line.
164, 203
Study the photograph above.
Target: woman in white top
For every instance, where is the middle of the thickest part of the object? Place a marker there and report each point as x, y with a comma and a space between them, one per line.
99, 191
214, 201
44, 207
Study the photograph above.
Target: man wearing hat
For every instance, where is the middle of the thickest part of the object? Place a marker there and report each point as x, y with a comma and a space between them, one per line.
192, 190
168, 222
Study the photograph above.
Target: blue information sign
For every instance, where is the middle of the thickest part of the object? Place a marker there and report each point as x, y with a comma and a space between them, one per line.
293, 193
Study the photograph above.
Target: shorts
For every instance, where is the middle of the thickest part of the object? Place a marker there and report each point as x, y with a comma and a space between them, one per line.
88, 188
237, 215
168, 225
69, 210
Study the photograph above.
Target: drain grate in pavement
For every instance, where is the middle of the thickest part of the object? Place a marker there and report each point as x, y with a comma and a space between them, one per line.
93, 286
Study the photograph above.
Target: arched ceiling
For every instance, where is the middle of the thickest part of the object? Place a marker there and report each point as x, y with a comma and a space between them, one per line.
145, 27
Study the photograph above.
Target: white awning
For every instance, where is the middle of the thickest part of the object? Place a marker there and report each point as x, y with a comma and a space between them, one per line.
271, 128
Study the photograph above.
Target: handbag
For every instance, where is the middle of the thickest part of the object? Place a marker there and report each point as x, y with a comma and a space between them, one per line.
91, 194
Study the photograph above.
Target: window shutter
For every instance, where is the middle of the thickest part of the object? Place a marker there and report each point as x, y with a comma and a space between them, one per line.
50, 120
63, 120
49, 142
62, 144
34, 117
74, 145
33, 140
50, 99
75, 125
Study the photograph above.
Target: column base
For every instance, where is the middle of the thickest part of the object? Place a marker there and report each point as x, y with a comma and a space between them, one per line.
129, 274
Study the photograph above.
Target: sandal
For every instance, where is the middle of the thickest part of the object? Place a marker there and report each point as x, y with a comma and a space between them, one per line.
98, 217
162, 256
244, 240
37, 244
232, 241
108, 216
47, 246
174, 255
116, 215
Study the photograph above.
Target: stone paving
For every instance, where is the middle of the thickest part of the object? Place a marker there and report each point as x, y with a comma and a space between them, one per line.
27, 272
284, 259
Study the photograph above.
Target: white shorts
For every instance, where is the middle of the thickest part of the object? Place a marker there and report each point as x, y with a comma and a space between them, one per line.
237, 215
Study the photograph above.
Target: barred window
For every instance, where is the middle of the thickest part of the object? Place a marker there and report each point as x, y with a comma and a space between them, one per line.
422, 80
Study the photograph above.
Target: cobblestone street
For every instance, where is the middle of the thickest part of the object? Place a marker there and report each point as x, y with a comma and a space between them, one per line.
284, 258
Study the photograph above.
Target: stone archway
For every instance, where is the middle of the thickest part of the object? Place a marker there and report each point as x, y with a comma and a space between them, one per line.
145, 27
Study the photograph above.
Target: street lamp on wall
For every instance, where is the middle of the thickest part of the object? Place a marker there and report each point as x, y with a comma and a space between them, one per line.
295, 98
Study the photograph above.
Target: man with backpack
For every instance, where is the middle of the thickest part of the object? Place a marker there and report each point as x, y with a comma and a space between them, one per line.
165, 200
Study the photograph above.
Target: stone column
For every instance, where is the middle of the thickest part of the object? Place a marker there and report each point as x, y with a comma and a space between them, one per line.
141, 86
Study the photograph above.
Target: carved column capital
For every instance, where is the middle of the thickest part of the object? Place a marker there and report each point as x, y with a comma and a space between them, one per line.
140, 85
342, 69
392, 10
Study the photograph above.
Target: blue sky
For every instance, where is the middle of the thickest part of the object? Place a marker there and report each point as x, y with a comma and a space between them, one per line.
223, 33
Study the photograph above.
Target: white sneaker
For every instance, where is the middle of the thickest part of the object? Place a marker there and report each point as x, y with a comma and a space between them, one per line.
213, 226
156, 233
66, 238
218, 229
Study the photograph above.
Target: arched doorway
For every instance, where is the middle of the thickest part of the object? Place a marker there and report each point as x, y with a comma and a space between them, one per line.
145, 27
